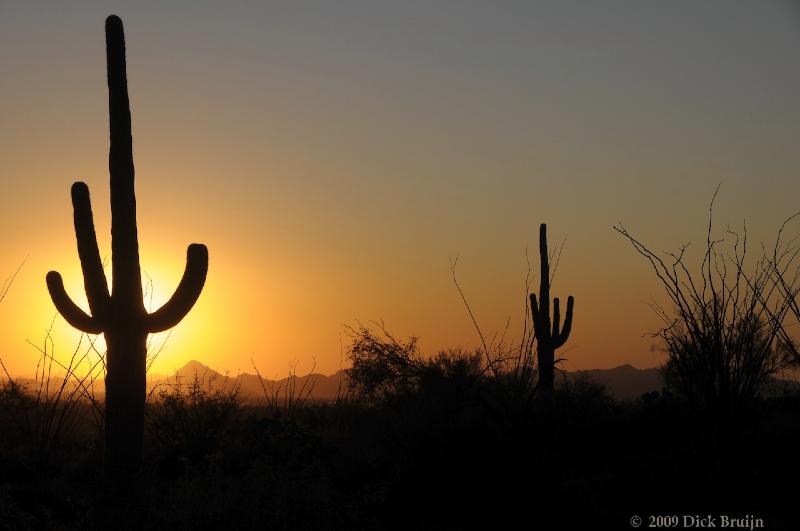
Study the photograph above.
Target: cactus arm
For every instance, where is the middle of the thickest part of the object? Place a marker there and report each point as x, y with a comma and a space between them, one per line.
94, 279
564, 335
185, 296
68, 309
127, 277
535, 312
556, 317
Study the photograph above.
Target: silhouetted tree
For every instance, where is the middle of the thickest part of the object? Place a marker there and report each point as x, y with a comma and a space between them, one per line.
723, 336
549, 336
384, 366
121, 315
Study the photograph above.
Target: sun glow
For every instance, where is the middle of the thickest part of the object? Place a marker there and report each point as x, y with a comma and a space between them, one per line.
47, 334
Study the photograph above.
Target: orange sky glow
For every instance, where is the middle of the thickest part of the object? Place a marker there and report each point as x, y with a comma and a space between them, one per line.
336, 162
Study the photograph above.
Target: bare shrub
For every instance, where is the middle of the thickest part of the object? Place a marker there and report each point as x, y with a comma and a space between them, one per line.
285, 399
786, 273
49, 412
723, 333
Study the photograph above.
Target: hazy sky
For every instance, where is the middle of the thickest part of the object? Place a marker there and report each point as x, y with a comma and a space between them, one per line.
335, 156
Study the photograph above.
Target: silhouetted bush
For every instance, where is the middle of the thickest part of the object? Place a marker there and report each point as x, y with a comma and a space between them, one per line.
191, 421
721, 362
43, 420
382, 364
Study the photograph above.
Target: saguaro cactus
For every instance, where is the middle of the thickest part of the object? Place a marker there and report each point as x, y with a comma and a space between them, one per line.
121, 315
548, 339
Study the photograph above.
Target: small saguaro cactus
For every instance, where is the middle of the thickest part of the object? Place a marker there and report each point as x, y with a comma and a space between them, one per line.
121, 315
548, 339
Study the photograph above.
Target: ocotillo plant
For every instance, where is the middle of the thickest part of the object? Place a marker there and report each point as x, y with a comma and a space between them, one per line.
548, 339
121, 315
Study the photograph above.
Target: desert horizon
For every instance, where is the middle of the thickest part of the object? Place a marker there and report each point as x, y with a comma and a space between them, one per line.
624, 382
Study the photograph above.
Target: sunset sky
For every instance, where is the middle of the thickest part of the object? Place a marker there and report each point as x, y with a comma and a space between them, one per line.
336, 156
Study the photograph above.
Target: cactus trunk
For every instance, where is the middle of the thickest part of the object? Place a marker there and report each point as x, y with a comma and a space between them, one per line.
549, 335
126, 337
121, 315
546, 356
125, 399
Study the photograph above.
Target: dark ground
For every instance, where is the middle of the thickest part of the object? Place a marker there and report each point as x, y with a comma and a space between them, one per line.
447, 454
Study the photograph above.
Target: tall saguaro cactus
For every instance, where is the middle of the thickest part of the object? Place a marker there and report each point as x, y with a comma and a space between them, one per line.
549, 336
121, 315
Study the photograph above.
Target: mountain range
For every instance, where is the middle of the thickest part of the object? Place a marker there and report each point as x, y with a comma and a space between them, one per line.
625, 382
315, 386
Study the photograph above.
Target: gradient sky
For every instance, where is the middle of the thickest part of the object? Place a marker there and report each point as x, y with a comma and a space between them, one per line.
335, 156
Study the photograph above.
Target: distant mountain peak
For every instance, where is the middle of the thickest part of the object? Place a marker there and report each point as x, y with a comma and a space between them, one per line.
194, 364
624, 382
194, 367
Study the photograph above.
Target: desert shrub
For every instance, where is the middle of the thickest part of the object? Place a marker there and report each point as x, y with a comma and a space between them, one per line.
584, 397
709, 365
458, 382
44, 420
191, 421
384, 367
381, 364
452, 371
288, 398
723, 330
14, 402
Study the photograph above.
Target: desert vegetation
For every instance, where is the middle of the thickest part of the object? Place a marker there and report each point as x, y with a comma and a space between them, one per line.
413, 438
